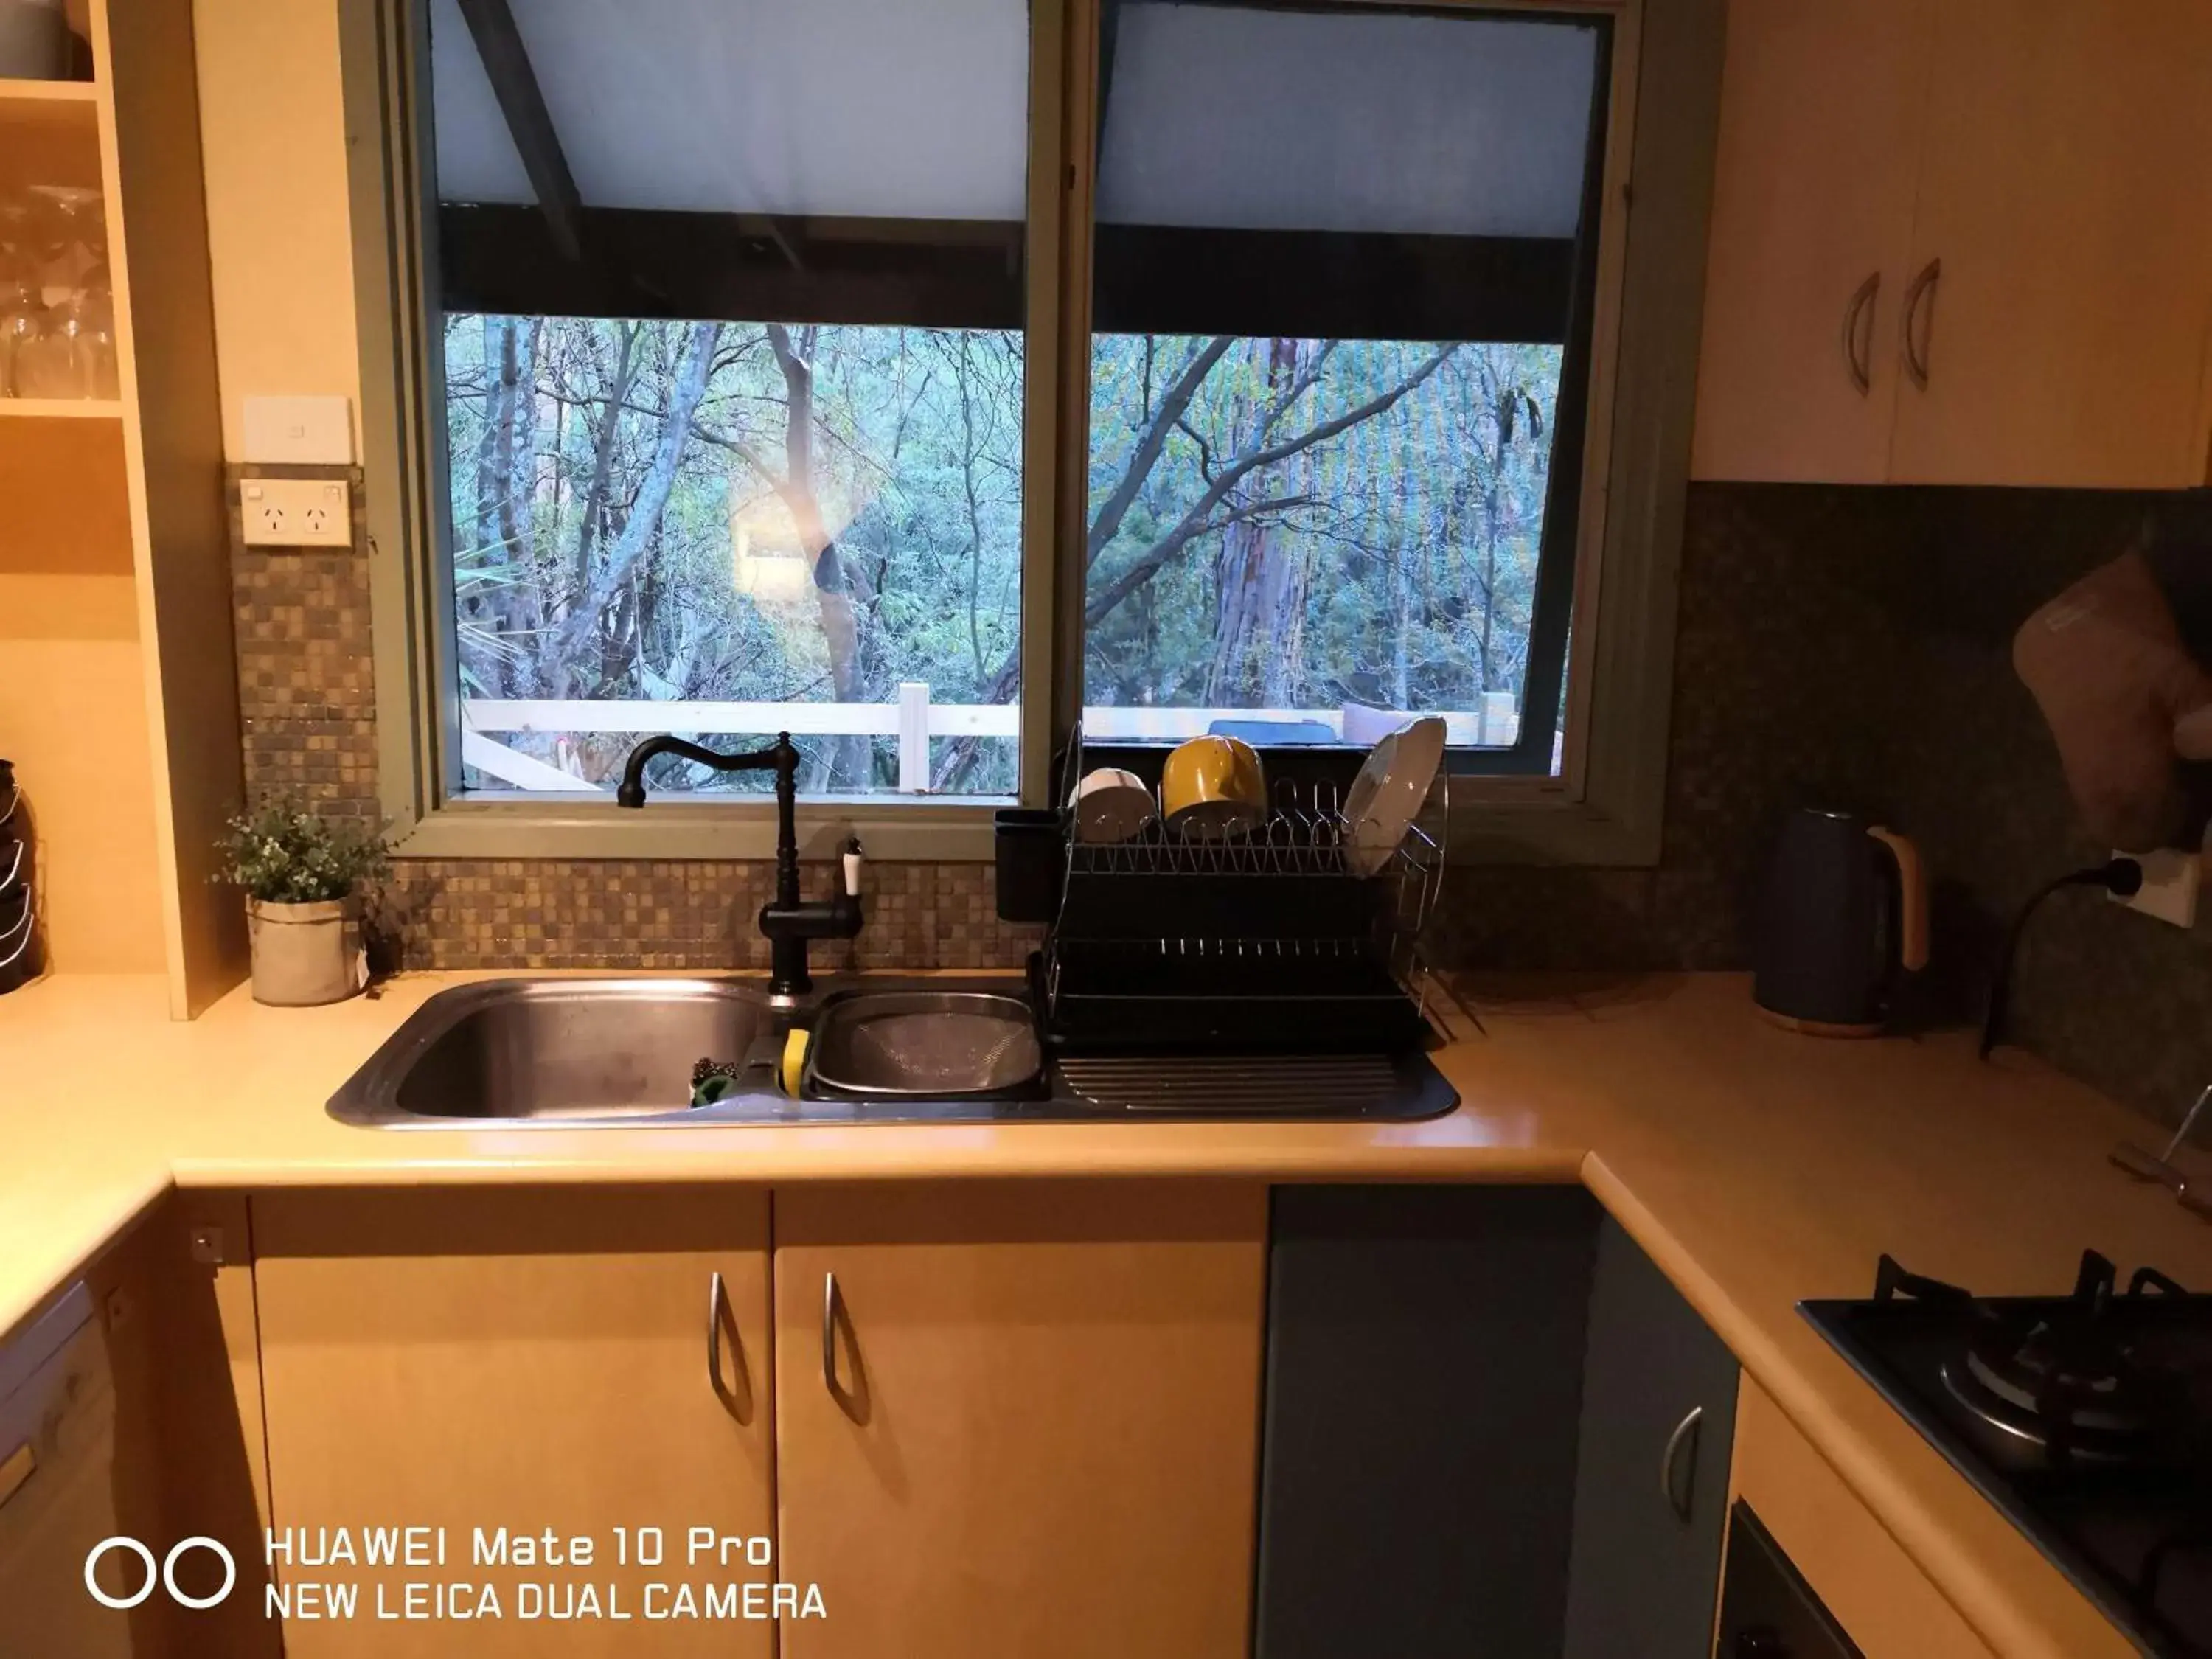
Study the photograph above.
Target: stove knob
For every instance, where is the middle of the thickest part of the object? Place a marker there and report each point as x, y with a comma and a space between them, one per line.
1760, 1642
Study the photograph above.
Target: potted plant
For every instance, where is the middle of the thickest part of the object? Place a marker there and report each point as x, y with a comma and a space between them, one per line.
303, 876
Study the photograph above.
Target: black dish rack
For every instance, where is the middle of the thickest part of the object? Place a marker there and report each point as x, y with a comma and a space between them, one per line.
1275, 941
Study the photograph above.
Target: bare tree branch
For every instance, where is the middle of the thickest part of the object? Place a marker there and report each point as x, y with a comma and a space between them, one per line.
1193, 523
602, 455
1146, 453
1205, 450
1304, 383
601, 586
1256, 509
747, 451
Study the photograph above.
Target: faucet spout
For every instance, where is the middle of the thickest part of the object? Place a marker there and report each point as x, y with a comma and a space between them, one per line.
780, 756
786, 922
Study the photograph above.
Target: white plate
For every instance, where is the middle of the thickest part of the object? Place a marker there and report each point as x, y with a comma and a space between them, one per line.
1387, 795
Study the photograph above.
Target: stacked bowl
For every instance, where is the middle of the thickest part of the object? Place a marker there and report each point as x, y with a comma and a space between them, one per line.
18, 915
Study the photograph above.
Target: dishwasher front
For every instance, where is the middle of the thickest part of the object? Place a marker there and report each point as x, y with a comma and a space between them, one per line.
57, 1497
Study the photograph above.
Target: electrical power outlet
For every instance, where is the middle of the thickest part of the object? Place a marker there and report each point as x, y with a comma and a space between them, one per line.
2170, 878
297, 512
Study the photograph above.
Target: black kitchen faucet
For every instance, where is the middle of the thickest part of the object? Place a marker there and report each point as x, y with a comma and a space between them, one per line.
786, 922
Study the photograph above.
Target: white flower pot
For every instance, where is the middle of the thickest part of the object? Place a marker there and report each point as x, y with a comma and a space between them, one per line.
305, 955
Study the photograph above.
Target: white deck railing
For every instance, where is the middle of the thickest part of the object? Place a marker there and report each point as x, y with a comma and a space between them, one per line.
914, 719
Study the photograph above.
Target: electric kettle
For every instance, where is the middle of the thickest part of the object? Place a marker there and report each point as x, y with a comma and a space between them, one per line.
1842, 921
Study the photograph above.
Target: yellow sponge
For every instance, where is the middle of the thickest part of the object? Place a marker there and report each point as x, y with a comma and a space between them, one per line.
793, 1069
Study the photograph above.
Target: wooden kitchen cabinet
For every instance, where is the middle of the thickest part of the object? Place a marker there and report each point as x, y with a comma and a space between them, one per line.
1812, 230
1868, 1583
1425, 1352
1030, 1427
2037, 173
1651, 1473
2067, 189
523, 1358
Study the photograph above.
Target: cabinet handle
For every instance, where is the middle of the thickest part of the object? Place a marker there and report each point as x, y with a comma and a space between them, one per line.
1681, 1494
1858, 343
727, 1373
1916, 339
830, 1332
717, 1299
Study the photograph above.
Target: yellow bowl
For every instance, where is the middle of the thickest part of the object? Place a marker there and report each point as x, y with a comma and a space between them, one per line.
1213, 787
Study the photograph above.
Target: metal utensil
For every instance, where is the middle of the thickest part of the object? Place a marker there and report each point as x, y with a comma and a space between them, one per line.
2160, 1166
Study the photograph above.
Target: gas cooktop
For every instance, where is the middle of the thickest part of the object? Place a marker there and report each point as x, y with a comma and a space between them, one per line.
2086, 1419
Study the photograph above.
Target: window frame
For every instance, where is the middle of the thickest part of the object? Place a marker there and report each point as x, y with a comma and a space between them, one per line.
1605, 805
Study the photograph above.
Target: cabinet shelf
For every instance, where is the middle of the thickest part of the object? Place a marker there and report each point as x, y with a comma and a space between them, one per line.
55, 111
14, 90
60, 409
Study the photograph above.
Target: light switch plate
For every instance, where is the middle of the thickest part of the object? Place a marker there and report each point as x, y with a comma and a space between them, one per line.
2170, 878
296, 512
298, 431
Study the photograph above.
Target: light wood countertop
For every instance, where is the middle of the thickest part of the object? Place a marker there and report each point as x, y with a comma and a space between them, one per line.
1757, 1167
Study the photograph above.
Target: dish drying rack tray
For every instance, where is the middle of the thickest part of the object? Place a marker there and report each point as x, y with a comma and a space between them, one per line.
1277, 940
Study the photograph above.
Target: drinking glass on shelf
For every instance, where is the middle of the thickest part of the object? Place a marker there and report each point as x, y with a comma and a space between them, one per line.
49, 363
69, 231
70, 351
20, 315
19, 306
97, 366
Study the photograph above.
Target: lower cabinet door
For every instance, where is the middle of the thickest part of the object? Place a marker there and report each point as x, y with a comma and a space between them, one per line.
1019, 1420
526, 1369
1651, 1500
1423, 1348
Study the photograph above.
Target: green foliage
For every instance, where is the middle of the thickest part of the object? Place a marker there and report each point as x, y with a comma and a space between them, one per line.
281, 853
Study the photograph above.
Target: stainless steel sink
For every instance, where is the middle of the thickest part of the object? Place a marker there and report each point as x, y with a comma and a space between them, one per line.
924, 1045
559, 1052
567, 1054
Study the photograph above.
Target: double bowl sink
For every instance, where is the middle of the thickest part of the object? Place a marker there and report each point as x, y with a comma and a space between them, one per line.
584, 1053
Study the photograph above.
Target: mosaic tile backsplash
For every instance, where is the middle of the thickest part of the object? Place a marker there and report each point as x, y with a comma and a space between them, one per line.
1841, 645
1852, 646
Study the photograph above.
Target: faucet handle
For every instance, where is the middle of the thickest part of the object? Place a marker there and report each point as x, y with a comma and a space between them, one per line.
852, 859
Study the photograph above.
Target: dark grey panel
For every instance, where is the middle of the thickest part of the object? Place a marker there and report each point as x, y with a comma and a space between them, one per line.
1423, 1351
1645, 1570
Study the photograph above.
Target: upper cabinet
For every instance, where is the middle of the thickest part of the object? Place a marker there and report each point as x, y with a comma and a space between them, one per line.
1819, 148
2066, 191
1962, 242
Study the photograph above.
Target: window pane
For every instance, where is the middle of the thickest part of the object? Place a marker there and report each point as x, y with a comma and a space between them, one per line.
731, 448
1335, 298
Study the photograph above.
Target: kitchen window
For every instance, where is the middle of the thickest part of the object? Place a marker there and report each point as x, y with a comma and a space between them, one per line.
728, 333
1341, 266
930, 379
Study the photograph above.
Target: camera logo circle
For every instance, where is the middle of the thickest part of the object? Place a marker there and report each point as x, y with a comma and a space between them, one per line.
164, 1573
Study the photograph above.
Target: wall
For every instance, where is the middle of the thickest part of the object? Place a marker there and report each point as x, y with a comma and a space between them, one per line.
272, 141
1845, 645
1852, 646
1837, 645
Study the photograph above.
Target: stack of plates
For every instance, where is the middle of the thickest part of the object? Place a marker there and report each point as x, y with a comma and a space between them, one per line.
17, 914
